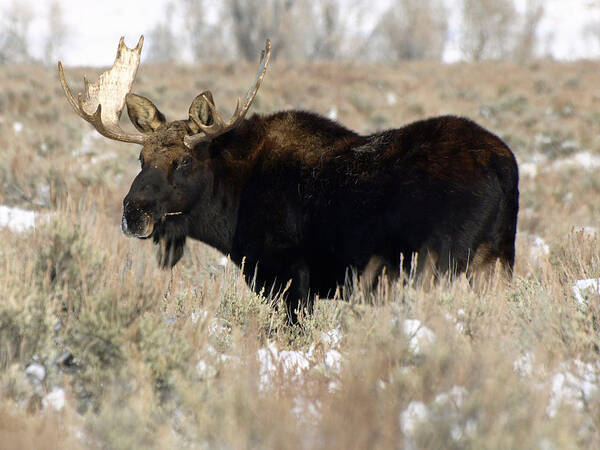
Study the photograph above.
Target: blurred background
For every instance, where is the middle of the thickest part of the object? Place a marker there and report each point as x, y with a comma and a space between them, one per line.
375, 30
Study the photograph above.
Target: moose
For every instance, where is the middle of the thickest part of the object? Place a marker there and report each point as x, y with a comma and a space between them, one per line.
298, 200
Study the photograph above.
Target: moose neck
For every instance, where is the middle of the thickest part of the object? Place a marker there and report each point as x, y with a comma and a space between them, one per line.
214, 218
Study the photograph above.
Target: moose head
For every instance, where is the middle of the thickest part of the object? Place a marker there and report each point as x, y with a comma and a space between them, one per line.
176, 171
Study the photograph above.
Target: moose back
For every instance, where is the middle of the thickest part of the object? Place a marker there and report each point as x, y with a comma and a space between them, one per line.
300, 198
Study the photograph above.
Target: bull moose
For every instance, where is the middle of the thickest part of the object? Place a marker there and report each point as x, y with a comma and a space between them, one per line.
301, 198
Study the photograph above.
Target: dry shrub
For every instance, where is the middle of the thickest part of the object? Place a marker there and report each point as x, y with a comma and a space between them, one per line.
158, 359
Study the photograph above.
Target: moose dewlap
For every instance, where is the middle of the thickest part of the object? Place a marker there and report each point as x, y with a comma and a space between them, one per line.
301, 198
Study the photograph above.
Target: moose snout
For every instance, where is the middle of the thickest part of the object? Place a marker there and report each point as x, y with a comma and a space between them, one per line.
142, 207
136, 221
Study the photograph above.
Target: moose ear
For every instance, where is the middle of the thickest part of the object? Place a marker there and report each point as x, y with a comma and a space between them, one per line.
200, 111
143, 114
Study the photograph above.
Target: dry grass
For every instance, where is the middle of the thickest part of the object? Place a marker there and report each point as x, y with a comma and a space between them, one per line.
192, 359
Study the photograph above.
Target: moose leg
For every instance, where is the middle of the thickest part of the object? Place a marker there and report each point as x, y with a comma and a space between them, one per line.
378, 269
298, 297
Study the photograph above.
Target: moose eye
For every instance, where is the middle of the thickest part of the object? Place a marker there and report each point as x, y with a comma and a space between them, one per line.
185, 162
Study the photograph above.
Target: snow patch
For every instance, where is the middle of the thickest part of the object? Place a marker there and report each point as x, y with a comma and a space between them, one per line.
538, 249
415, 414
332, 337
332, 113
450, 403
529, 170
581, 160
419, 336
269, 360
455, 397
586, 231
460, 327
103, 157
55, 399
585, 289
523, 365
573, 385
16, 219
307, 411
446, 405
223, 261
292, 364
391, 98
541, 139
88, 145
18, 127
538, 158
333, 360
36, 372
205, 370
198, 315
222, 357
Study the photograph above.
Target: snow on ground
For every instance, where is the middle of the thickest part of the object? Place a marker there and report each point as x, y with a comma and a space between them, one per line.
274, 362
293, 363
223, 261
88, 144
419, 336
538, 248
447, 405
458, 321
332, 113
414, 415
16, 219
528, 169
539, 163
580, 160
103, 157
523, 365
307, 411
332, 337
55, 399
574, 384
585, 289
587, 231
206, 370
36, 373
391, 98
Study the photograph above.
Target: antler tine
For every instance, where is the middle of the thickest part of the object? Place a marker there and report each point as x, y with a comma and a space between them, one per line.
65, 86
218, 127
103, 101
260, 74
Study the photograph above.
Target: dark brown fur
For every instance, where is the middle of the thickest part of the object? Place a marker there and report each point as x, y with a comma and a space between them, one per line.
299, 197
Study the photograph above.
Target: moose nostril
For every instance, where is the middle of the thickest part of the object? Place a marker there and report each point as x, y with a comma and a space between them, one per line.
124, 227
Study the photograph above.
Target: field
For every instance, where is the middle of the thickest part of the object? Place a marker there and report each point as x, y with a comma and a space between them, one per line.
101, 349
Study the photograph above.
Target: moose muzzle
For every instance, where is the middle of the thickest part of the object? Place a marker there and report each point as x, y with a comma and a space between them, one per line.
136, 222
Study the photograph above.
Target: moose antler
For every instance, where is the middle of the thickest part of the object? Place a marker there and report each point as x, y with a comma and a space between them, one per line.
219, 126
104, 100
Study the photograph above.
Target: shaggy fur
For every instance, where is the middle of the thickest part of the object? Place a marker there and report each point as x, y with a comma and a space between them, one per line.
295, 196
